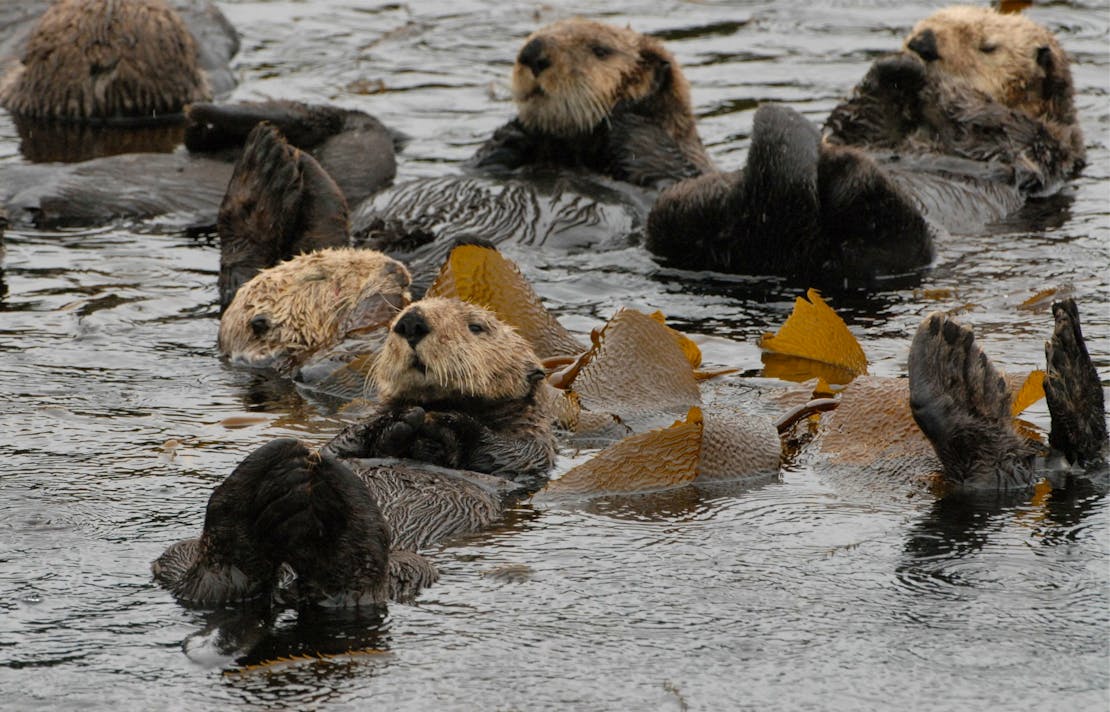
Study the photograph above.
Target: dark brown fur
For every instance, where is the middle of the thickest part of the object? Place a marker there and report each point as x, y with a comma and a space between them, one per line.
301, 528
83, 64
950, 137
600, 97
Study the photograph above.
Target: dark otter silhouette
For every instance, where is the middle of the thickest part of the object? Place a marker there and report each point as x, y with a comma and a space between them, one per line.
925, 144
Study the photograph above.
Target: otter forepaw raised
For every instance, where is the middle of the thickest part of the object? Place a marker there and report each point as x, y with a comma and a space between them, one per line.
896, 76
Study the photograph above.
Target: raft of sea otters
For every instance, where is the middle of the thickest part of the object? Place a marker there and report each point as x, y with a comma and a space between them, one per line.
397, 294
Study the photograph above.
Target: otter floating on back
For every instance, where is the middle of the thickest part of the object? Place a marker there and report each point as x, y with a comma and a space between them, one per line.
603, 120
115, 86
460, 406
958, 130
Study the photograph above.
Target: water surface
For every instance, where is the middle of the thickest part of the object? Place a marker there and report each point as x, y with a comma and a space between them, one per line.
117, 414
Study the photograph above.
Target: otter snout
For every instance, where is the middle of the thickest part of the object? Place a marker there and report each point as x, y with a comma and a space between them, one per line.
534, 56
412, 327
924, 43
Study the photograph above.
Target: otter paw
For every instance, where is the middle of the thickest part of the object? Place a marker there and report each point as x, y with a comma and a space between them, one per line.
439, 440
899, 76
397, 438
962, 404
1073, 391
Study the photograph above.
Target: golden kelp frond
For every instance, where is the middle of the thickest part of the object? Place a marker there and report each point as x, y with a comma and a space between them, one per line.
814, 332
1031, 391
635, 366
689, 348
655, 460
481, 275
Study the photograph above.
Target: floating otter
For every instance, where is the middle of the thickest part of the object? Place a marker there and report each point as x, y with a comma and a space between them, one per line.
304, 307
144, 64
601, 97
605, 100
603, 119
926, 143
83, 65
459, 390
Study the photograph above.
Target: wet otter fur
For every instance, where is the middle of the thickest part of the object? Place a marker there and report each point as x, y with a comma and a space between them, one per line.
602, 97
309, 304
603, 119
98, 118
307, 528
924, 145
460, 389
82, 63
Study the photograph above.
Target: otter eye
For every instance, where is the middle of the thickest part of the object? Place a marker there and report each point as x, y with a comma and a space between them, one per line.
601, 51
987, 47
477, 329
260, 324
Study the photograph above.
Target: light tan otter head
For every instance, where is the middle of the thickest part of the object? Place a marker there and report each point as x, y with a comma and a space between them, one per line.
1009, 57
312, 302
570, 75
90, 60
446, 349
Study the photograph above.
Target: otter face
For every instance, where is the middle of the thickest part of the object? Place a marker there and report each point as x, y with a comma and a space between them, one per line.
570, 75
312, 302
89, 60
1007, 57
442, 349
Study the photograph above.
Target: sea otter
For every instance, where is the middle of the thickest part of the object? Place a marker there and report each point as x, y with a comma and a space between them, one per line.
974, 116
82, 61
305, 307
603, 119
459, 405
114, 87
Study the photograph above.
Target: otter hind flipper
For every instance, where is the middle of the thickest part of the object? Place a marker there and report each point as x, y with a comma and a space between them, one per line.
314, 515
962, 404
212, 127
1073, 391
279, 202
775, 209
232, 560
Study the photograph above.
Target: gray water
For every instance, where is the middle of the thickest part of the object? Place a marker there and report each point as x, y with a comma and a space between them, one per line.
118, 419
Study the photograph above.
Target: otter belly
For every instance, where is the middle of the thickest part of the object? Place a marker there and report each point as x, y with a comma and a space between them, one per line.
418, 222
958, 195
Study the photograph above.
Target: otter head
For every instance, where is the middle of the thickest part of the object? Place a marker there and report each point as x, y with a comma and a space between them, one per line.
446, 349
97, 60
293, 310
1008, 57
571, 75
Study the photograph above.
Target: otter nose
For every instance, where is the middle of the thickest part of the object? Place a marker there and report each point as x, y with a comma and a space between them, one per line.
532, 56
925, 44
411, 327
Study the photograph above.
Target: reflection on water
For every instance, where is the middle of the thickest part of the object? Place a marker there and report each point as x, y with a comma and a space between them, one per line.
118, 419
